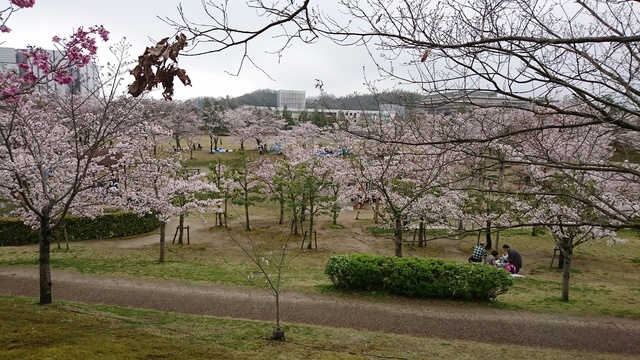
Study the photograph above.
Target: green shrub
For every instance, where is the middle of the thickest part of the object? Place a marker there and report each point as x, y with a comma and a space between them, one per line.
13, 232
111, 225
425, 278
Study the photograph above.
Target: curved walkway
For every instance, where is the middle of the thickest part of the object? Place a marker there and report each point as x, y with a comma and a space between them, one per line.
402, 316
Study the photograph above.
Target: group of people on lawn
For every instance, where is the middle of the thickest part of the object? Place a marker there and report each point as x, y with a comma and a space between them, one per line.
511, 260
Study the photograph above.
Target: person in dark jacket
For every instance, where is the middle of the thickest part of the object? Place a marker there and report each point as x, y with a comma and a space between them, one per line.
513, 256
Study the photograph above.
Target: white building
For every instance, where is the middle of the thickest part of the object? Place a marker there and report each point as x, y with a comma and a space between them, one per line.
454, 101
293, 100
86, 79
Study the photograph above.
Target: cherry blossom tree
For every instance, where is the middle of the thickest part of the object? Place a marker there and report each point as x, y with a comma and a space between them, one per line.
400, 176
267, 171
55, 153
212, 118
219, 176
315, 176
247, 122
246, 186
577, 203
159, 185
182, 120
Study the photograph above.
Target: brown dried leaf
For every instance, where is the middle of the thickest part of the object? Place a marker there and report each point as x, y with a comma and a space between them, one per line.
424, 56
153, 70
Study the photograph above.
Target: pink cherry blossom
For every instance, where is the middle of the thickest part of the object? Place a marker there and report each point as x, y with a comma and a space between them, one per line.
23, 3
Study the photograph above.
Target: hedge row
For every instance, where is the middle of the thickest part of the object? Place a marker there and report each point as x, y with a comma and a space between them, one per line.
117, 224
425, 278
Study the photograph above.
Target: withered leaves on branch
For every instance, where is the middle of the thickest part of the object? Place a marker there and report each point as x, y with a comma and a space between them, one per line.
153, 70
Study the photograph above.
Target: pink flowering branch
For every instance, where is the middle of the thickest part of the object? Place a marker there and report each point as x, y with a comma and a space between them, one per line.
37, 68
14, 6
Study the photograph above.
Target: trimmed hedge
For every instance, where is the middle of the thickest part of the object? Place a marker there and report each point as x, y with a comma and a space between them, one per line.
414, 277
112, 225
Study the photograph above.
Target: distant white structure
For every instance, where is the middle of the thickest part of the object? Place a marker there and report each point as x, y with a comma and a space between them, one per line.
85, 79
454, 101
293, 100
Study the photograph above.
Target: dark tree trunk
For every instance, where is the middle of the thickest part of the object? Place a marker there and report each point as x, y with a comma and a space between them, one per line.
397, 236
181, 229
311, 216
163, 228
294, 223
45, 262
488, 235
281, 219
421, 237
226, 209
567, 250
246, 217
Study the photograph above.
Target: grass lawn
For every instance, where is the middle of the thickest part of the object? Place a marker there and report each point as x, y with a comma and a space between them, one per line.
77, 331
604, 280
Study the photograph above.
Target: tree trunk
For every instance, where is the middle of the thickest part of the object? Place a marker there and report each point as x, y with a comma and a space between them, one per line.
534, 231
226, 209
310, 244
488, 235
294, 223
397, 236
163, 228
45, 262
566, 269
421, 237
376, 217
281, 219
181, 229
246, 217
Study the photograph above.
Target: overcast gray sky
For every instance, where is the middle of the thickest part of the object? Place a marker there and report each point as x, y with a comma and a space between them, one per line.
340, 68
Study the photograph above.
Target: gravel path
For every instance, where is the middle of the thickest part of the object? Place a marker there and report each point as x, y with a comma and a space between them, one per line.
401, 316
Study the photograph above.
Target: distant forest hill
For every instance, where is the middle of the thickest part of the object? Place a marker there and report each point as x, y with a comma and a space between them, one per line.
268, 98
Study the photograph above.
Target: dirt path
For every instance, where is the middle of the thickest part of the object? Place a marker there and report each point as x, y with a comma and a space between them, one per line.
406, 316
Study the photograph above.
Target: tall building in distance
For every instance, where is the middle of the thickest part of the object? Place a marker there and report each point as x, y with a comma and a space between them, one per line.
85, 79
293, 100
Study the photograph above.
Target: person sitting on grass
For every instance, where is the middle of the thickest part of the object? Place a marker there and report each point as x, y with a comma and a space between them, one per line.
491, 258
478, 253
510, 267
